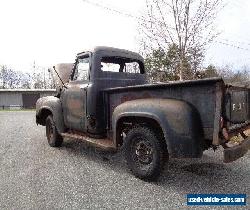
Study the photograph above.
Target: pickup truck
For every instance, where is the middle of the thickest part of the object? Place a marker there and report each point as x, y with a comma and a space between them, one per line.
106, 101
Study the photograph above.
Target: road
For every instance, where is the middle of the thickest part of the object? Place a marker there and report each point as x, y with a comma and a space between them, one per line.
36, 176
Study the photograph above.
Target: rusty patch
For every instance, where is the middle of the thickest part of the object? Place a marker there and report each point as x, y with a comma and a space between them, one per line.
75, 107
130, 97
104, 143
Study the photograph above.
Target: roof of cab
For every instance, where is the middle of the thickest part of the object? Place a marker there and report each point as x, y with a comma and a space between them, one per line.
117, 51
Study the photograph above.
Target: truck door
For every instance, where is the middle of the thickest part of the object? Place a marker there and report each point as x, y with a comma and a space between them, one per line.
75, 95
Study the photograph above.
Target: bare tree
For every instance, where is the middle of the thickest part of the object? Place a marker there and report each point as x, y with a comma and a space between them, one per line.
187, 23
41, 78
3, 76
9, 78
25, 81
235, 76
13, 79
239, 76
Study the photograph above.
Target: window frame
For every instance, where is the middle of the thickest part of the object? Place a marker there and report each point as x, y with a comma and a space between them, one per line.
75, 70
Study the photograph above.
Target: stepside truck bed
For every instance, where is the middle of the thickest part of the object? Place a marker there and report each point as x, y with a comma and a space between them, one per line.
212, 99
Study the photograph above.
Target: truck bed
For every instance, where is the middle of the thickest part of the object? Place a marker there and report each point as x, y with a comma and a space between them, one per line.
211, 98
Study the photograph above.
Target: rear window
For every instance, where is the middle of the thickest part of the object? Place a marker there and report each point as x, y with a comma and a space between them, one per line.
125, 65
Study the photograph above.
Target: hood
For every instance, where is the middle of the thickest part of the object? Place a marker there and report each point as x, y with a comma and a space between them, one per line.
64, 70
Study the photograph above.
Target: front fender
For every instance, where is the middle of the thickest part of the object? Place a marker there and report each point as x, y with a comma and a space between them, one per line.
53, 105
179, 121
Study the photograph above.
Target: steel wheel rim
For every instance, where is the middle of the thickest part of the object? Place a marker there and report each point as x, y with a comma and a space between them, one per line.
142, 153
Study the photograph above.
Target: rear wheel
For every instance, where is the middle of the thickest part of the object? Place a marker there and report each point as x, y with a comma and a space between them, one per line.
145, 153
53, 137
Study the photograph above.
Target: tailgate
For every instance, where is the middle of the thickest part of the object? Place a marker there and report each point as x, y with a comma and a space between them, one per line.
237, 105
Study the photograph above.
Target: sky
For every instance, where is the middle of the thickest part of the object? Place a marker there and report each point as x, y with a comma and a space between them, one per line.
54, 31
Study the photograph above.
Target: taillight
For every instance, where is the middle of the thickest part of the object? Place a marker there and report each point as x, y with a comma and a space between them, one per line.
224, 129
221, 122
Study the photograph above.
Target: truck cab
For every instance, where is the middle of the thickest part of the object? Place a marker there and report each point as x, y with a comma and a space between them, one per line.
106, 101
83, 101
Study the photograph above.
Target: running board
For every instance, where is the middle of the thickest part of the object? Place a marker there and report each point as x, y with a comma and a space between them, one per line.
104, 144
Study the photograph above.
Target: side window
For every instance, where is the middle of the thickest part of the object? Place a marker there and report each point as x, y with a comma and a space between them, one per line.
82, 69
113, 67
132, 67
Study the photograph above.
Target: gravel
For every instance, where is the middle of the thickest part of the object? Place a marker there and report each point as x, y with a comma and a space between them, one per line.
36, 176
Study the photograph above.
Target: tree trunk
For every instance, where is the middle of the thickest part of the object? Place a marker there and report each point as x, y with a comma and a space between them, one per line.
181, 68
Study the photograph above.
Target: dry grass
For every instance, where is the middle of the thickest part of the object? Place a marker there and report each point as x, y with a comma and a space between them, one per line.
247, 132
237, 139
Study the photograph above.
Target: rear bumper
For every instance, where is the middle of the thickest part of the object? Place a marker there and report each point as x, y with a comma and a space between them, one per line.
233, 153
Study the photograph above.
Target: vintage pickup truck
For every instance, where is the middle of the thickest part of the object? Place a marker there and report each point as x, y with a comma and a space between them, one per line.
107, 102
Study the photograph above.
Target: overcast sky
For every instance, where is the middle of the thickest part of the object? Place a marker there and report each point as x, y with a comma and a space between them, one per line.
53, 31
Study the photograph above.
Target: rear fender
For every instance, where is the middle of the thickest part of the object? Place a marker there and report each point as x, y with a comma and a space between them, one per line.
179, 121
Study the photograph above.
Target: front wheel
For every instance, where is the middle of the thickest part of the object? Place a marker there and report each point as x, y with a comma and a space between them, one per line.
53, 137
145, 153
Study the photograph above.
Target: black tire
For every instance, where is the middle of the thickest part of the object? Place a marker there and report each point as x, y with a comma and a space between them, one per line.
53, 137
145, 152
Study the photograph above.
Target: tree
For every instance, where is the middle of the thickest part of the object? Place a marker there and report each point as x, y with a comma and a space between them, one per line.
210, 71
189, 24
239, 77
41, 78
26, 81
3, 76
161, 66
9, 78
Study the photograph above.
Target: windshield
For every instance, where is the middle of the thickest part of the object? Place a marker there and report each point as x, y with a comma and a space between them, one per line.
82, 69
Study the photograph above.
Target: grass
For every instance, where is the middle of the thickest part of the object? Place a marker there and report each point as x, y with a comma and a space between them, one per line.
237, 139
